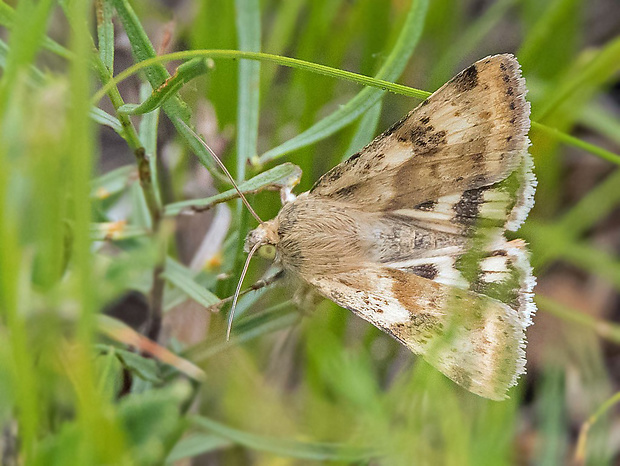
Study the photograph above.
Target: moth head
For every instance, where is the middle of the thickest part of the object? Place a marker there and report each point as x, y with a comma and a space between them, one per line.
265, 238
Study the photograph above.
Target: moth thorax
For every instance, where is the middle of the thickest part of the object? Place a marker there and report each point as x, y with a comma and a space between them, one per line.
265, 233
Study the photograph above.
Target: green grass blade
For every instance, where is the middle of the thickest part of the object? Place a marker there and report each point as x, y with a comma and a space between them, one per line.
116, 231
24, 42
248, 34
576, 142
247, 328
549, 43
105, 33
148, 135
183, 278
286, 447
105, 119
266, 57
593, 207
195, 445
467, 42
365, 130
156, 74
283, 175
391, 70
7, 16
600, 120
600, 67
113, 182
183, 74
607, 330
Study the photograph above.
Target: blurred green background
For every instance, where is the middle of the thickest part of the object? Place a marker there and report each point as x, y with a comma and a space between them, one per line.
108, 220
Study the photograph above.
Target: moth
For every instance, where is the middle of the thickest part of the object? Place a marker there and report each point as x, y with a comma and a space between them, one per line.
409, 233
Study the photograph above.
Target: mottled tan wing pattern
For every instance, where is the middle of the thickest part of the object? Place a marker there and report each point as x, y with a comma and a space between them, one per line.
474, 340
409, 233
470, 133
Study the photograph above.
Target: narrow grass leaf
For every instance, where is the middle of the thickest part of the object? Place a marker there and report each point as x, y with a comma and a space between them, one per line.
7, 16
283, 175
365, 130
116, 231
183, 74
105, 119
582, 441
113, 182
607, 330
576, 142
594, 74
183, 278
148, 136
248, 35
598, 203
391, 70
286, 447
195, 445
122, 333
276, 318
600, 120
145, 368
105, 33
469, 40
156, 74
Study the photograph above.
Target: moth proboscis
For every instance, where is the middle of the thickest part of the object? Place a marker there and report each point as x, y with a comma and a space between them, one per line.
408, 233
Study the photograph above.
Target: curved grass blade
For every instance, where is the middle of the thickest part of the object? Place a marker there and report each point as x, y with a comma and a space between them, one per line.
284, 175
115, 231
605, 329
576, 142
121, 332
287, 447
391, 70
578, 86
105, 33
148, 135
183, 74
183, 278
364, 80
157, 75
248, 35
7, 16
113, 182
582, 441
473, 35
104, 118
365, 130
276, 318
196, 444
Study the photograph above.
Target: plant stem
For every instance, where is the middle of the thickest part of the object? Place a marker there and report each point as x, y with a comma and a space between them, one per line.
146, 183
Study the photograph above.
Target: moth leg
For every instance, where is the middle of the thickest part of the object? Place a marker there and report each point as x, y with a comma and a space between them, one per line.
306, 299
265, 281
255, 286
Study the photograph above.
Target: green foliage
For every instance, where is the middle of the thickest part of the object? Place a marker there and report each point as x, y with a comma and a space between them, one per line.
324, 387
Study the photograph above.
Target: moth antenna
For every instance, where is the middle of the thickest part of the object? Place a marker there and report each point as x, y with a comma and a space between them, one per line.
238, 290
225, 170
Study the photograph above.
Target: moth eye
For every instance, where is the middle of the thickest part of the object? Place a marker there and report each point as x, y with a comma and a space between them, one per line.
267, 251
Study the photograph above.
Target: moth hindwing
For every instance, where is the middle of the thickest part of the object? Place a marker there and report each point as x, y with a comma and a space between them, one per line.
409, 233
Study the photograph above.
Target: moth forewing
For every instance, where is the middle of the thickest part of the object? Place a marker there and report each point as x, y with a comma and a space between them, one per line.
409, 233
